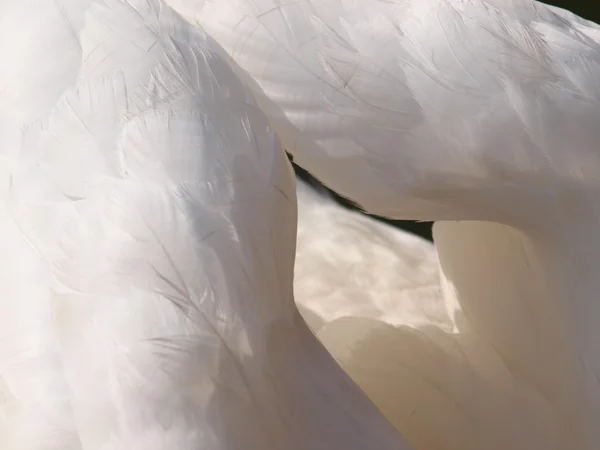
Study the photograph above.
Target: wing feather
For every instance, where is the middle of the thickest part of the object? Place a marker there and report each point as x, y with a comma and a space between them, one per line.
422, 110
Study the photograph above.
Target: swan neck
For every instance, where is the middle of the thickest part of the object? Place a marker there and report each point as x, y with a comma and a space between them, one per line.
531, 297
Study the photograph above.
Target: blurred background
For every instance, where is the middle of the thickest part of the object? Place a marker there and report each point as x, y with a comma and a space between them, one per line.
588, 9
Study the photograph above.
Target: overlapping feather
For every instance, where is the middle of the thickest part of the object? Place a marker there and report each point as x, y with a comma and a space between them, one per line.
453, 110
152, 212
421, 110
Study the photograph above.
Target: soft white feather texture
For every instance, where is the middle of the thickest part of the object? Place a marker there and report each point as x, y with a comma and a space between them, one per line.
350, 265
435, 109
147, 296
454, 110
504, 376
488, 366
148, 237
40, 58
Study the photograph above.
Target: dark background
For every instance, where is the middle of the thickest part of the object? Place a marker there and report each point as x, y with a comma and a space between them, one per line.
584, 8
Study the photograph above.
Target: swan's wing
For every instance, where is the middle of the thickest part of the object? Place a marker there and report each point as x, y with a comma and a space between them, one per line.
161, 211
348, 264
40, 59
140, 192
571, 17
422, 110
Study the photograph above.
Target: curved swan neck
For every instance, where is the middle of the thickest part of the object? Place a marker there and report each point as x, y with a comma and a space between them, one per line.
568, 257
532, 297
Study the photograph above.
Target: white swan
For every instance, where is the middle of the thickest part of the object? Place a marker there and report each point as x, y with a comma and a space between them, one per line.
89, 294
479, 110
148, 235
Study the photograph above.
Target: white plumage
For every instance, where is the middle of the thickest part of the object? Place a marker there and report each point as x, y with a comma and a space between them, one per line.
148, 218
425, 110
148, 238
455, 110
349, 265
